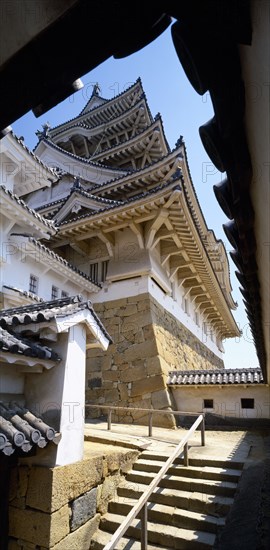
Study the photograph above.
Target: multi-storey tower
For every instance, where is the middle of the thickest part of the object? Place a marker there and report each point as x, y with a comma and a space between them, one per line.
128, 216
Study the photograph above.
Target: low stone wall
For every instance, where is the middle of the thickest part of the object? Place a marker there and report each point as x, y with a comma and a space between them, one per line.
60, 508
148, 342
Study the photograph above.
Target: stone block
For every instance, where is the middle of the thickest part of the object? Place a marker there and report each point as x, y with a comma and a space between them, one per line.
123, 390
37, 527
161, 399
130, 309
139, 298
107, 491
111, 396
51, 488
94, 383
148, 332
111, 375
150, 384
139, 337
83, 508
109, 313
140, 351
115, 304
106, 360
137, 321
153, 365
132, 374
81, 538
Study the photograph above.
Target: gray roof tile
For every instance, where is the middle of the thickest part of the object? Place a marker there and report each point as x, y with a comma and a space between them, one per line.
13, 343
215, 377
21, 430
46, 312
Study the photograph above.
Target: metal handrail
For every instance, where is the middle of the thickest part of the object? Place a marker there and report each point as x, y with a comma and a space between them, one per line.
150, 412
142, 502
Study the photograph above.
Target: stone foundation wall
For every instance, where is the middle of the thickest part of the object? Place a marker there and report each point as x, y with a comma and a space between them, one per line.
147, 343
60, 508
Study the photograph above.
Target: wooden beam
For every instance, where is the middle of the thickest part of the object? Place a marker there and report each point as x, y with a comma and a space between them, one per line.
152, 227
138, 231
108, 239
81, 247
161, 234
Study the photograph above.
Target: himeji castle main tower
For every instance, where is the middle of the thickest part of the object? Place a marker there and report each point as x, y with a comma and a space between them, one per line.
128, 216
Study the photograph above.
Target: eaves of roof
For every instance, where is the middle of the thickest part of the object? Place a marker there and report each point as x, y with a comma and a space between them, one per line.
99, 106
48, 223
82, 159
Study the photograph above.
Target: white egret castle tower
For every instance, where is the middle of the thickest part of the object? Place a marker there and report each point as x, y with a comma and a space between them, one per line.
127, 215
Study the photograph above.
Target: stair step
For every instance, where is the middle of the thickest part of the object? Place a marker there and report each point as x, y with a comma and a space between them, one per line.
170, 515
174, 537
211, 462
215, 505
226, 488
101, 538
205, 472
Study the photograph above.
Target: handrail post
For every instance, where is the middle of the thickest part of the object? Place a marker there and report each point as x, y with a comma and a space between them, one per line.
186, 454
150, 424
109, 419
203, 432
144, 527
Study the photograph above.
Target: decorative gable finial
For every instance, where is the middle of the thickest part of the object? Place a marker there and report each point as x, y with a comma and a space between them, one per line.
77, 183
45, 132
96, 89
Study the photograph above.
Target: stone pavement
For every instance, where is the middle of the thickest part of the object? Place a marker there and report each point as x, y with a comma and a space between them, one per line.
219, 444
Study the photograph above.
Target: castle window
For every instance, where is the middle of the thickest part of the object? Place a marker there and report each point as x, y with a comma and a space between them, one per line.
208, 403
64, 294
33, 284
247, 403
54, 293
104, 269
94, 272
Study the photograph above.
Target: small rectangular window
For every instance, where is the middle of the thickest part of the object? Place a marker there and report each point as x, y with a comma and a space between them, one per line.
54, 294
104, 269
94, 272
33, 284
64, 294
196, 318
208, 403
247, 403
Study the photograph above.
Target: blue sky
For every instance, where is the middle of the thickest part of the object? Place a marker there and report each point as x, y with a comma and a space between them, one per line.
183, 111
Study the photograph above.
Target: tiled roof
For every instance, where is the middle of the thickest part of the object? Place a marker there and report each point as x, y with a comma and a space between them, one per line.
98, 106
48, 223
21, 430
52, 171
25, 293
50, 253
80, 190
137, 171
138, 81
82, 159
46, 312
118, 204
135, 137
13, 343
111, 119
215, 377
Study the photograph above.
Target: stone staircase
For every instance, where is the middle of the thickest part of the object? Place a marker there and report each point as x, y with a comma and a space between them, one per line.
186, 511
